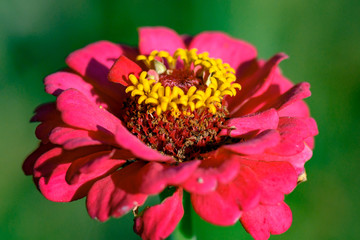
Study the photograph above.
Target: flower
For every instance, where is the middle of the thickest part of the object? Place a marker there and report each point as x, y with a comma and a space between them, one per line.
197, 114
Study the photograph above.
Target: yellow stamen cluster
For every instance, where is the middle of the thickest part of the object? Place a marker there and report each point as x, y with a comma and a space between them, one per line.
219, 82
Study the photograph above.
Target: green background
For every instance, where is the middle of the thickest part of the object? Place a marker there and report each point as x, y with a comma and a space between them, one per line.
321, 37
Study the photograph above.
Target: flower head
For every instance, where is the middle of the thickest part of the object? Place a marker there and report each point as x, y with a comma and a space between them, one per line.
199, 114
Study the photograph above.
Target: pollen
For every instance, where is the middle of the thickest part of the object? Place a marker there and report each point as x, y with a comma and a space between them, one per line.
182, 83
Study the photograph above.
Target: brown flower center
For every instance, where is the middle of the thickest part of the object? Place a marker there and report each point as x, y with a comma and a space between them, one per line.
176, 106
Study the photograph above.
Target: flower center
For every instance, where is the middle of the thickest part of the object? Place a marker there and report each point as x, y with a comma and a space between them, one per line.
176, 105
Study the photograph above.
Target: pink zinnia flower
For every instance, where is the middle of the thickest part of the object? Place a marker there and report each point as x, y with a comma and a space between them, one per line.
169, 115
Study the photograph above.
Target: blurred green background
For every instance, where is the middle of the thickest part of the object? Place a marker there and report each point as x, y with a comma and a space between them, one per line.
321, 37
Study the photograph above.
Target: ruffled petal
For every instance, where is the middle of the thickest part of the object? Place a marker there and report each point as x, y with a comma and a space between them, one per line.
265, 220
224, 205
211, 172
276, 179
92, 166
106, 199
255, 122
156, 176
293, 133
297, 160
160, 39
153, 177
158, 222
50, 170
219, 45
266, 139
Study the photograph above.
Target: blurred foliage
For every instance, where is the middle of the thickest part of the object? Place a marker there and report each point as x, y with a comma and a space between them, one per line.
321, 37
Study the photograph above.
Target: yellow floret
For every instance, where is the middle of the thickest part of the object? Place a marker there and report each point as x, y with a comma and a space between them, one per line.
219, 82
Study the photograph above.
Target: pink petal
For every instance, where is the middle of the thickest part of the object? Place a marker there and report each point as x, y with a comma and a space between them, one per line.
246, 189
223, 206
28, 165
156, 176
293, 132
71, 138
159, 38
297, 160
50, 170
159, 221
255, 86
121, 70
265, 220
130, 142
310, 141
76, 110
58, 82
294, 94
211, 172
50, 118
219, 45
94, 62
276, 179
255, 122
92, 166
58, 190
296, 109
103, 52
106, 199
213, 208
153, 177
256, 145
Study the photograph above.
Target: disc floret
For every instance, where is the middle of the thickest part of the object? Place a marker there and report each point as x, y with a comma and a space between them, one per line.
199, 82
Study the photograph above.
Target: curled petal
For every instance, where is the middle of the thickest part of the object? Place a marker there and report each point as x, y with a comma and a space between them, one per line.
159, 38
267, 219
106, 199
219, 45
159, 221
256, 145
